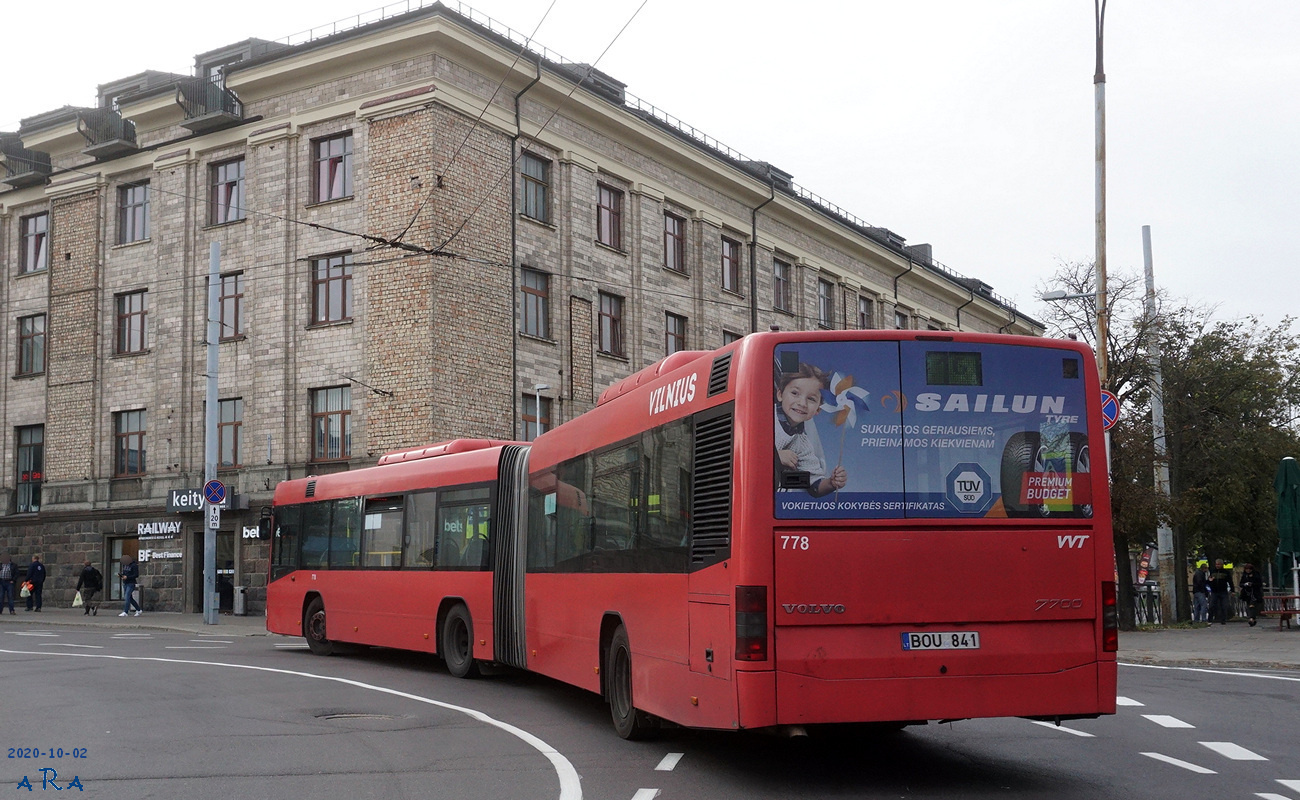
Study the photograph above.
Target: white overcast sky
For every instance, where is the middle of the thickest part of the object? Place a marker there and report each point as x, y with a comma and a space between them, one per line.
968, 125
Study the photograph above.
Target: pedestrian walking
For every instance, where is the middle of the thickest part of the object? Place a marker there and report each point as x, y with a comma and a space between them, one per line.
1201, 593
1220, 592
90, 583
130, 575
8, 583
1252, 592
36, 577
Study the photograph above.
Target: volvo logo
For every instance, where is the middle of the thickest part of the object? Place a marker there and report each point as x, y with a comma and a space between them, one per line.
813, 608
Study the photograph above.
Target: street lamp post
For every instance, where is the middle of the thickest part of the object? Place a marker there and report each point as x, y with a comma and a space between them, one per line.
538, 388
1099, 91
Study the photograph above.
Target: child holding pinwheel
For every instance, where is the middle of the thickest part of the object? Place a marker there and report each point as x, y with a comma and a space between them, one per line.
798, 447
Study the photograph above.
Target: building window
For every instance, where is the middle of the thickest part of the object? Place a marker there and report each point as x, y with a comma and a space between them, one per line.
133, 213
232, 305
825, 302
536, 420
674, 243
331, 423
331, 288
730, 336
674, 333
781, 293
31, 345
536, 302
866, 313
901, 322
230, 432
609, 216
730, 265
33, 234
227, 192
132, 310
611, 324
128, 448
537, 187
333, 158
31, 467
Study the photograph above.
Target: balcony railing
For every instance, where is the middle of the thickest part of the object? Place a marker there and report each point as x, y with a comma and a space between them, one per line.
22, 167
208, 104
107, 133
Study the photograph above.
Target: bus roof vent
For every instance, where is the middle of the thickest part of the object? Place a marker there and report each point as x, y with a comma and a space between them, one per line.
311, 488
711, 491
719, 373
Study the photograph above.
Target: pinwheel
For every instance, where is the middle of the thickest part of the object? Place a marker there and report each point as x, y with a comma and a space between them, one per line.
846, 400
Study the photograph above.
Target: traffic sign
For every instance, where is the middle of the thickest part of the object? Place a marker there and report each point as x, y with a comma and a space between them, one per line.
1109, 409
214, 516
214, 492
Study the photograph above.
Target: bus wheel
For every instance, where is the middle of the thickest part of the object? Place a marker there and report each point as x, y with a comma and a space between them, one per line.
313, 628
628, 721
458, 643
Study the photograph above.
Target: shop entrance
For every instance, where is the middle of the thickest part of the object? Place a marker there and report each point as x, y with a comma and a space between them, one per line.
225, 571
123, 550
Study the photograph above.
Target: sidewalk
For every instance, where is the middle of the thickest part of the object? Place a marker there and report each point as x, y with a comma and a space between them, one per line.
1233, 645
49, 616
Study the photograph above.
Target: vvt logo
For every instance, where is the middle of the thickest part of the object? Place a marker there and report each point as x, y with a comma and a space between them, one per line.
1063, 542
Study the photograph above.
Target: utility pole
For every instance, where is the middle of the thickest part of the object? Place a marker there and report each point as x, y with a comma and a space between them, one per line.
212, 519
1165, 555
1099, 92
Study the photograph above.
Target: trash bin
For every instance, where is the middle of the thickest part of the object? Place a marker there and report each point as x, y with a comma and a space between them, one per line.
240, 608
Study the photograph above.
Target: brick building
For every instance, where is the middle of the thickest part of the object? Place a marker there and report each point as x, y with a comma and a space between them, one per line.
423, 235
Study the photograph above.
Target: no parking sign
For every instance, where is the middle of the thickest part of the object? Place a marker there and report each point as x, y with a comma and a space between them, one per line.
1109, 409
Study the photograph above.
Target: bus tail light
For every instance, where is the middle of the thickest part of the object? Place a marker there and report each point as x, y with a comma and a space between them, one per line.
751, 623
1109, 618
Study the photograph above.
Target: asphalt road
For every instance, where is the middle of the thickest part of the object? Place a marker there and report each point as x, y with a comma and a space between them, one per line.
161, 714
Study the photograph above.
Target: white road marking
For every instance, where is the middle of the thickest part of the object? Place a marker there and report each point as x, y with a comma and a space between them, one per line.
669, 762
1271, 796
1292, 785
1125, 701
132, 635
645, 794
69, 644
1166, 721
212, 641
1061, 728
190, 647
570, 781
1234, 751
32, 633
1215, 672
1177, 763
291, 647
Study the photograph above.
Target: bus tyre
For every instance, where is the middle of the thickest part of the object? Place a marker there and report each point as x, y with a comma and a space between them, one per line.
313, 628
629, 722
458, 643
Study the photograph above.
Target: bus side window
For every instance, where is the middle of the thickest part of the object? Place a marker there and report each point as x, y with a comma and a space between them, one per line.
285, 541
420, 549
315, 535
345, 534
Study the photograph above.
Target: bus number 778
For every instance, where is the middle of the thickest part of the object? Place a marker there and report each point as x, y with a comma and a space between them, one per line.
794, 542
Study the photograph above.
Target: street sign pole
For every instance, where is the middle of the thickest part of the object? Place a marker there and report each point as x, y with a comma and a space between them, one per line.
210, 602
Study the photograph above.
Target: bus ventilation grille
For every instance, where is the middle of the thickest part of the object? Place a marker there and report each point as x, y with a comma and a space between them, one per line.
711, 492
719, 373
311, 488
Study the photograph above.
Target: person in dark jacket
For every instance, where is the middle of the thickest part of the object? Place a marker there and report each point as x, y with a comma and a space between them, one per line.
1201, 594
1220, 592
36, 577
1252, 592
130, 575
90, 584
8, 583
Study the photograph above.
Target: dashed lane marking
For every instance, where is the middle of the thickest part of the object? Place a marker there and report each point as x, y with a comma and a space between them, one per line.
1061, 728
1126, 701
32, 633
1271, 796
1166, 721
645, 794
1234, 751
669, 762
1177, 763
1292, 785
212, 641
69, 644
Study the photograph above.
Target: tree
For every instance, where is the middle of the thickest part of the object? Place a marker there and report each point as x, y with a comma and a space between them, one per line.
1227, 412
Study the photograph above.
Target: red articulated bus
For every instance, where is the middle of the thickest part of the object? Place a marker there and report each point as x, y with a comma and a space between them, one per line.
798, 529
